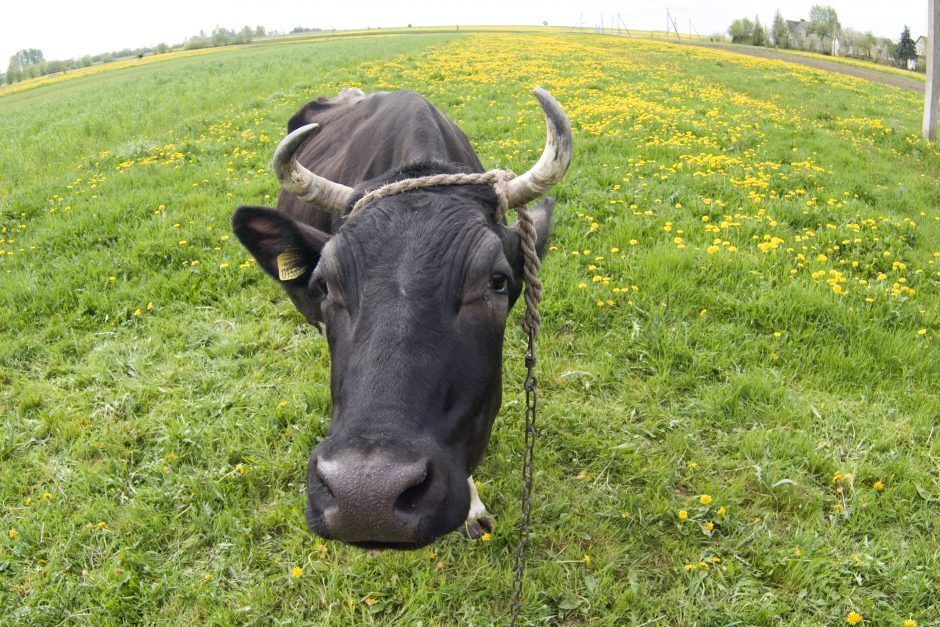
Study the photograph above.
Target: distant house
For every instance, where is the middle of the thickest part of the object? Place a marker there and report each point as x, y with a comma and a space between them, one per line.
920, 46
798, 29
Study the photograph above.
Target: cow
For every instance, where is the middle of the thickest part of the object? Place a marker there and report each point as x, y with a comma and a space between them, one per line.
412, 293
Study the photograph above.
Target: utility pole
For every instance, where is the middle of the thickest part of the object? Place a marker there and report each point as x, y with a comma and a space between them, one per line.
932, 88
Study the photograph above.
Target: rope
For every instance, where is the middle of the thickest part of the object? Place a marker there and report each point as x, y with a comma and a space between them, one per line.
499, 179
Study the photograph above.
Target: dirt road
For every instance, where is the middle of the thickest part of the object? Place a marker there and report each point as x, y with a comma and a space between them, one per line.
872, 75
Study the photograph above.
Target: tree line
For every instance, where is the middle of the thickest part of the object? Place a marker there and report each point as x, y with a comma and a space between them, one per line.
824, 33
30, 63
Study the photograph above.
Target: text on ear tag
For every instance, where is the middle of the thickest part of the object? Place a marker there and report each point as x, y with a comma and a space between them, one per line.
290, 265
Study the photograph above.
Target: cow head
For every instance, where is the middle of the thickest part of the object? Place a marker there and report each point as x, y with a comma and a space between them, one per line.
413, 294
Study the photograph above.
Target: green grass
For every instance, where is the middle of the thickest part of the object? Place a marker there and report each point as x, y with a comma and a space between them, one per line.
159, 400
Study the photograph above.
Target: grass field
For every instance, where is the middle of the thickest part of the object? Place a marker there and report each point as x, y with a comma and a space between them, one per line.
739, 357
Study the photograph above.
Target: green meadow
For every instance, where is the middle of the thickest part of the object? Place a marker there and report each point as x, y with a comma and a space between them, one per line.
739, 365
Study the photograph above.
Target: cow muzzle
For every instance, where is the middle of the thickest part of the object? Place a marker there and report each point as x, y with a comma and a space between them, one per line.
385, 497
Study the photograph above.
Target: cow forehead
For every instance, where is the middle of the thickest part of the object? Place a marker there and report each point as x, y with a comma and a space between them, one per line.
422, 236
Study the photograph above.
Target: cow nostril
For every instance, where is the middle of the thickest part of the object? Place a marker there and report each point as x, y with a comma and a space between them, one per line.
324, 483
411, 497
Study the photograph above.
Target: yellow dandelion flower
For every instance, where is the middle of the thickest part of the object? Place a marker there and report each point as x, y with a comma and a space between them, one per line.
709, 526
13, 534
207, 576
722, 510
296, 572
910, 622
854, 618
922, 332
705, 499
712, 249
683, 515
101, 526
486, 537
878, 486
587, 559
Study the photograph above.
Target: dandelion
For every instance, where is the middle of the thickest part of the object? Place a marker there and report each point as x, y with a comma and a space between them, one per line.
910, 622
722, 510
296, 572
13, 534
879, 486
101, 526
207, 577
587, 559
683, 515
854, 618
486, 537
922, 332
705, 499
709, 526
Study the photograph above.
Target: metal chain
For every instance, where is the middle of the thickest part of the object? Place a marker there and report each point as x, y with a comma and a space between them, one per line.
528, 460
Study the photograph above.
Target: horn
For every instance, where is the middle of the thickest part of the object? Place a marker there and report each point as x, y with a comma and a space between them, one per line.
554, 161
301, 182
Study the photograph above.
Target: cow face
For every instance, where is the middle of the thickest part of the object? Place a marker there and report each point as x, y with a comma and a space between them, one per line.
413, 294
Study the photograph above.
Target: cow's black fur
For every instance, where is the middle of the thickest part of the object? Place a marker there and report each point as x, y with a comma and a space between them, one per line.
409, 291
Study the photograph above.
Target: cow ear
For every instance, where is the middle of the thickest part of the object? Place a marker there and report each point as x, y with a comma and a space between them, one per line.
286, 249
542, 217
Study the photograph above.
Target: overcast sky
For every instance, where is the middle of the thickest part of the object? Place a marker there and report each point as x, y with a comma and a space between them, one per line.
72, 28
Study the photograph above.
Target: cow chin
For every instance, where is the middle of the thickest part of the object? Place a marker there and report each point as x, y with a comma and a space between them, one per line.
384, 494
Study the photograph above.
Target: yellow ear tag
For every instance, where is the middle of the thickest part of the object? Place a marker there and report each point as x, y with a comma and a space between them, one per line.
289, 265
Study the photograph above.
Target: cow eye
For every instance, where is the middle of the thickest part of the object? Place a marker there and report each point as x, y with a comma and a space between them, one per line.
499, 282
320, 284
